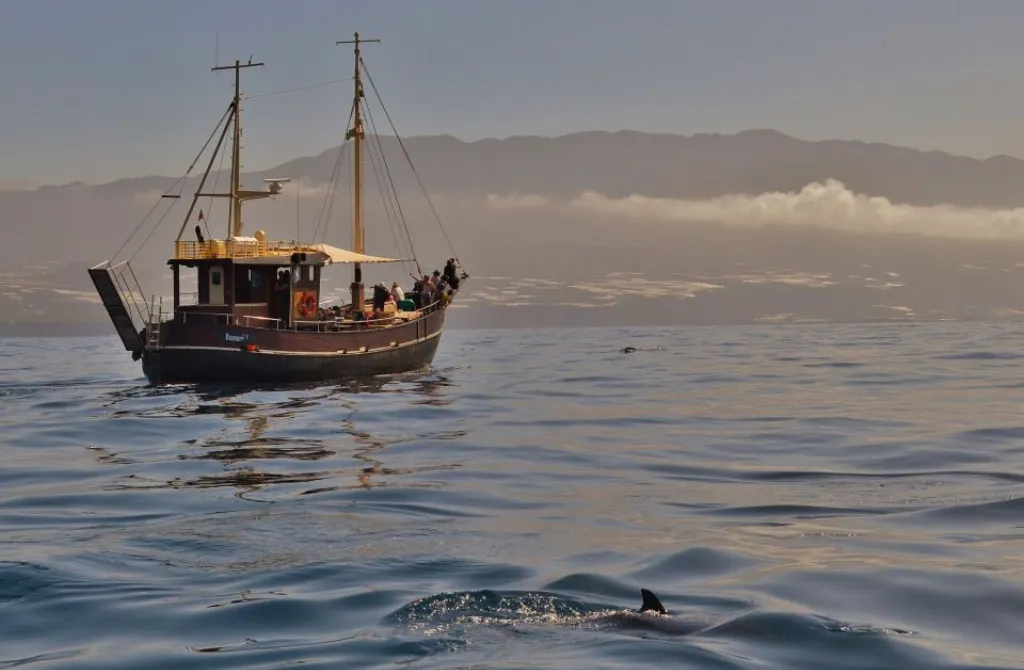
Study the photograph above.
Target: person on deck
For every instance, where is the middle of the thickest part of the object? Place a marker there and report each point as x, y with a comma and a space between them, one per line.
427, 294
380, 296
417, 293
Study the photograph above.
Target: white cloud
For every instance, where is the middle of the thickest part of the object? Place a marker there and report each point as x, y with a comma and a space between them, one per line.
901, 309
515, 201
828, 205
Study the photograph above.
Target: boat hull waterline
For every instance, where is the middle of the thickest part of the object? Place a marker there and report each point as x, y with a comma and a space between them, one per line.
202, 352
196, 365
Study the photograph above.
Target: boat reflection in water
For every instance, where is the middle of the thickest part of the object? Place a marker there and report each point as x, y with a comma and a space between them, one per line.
286, 438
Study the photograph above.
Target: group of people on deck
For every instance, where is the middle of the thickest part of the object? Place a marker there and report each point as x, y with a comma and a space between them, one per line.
426, 290
431, 288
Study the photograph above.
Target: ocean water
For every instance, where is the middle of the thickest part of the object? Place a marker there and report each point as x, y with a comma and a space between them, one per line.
801, 496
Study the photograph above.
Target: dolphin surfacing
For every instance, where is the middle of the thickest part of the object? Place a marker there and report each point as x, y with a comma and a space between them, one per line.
651, 617
651, 603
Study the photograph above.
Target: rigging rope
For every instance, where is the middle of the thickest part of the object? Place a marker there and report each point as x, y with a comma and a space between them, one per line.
409, 160
154, 229
181, 180
388, 211
298, 88
398, 204
330, 195
328, 202
213, 201
140, 224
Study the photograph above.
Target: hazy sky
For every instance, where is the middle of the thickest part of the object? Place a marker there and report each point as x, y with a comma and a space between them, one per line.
94, 90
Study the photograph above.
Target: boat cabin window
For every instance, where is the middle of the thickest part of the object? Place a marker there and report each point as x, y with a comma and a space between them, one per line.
250, 284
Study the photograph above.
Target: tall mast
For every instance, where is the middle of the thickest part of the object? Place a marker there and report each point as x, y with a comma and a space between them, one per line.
357, 133
235, 217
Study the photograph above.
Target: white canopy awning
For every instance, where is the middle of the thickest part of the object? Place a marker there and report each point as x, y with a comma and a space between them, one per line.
339, 255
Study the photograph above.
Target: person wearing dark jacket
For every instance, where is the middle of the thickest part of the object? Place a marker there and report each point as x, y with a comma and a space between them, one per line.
380, 296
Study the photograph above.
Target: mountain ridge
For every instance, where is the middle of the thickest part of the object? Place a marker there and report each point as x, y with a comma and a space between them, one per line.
806, 157
554, 217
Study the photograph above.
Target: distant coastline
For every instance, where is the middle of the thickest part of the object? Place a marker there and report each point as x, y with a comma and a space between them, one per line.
707, 229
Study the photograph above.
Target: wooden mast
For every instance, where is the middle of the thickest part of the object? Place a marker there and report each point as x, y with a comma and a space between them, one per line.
235, 217
357, 133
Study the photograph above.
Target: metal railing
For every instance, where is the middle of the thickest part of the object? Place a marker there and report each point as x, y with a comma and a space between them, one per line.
127, 284
320, 326
210, 249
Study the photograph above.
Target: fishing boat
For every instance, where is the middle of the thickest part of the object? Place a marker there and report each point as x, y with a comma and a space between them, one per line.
258, 314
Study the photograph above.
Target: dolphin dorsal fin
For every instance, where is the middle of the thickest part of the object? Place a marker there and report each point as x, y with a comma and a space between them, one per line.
651, 603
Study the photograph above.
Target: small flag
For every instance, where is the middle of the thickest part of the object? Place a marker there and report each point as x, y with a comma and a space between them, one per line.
201, 217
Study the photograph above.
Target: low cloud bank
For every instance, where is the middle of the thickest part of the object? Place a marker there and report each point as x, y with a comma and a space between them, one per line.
16, 185
827, 205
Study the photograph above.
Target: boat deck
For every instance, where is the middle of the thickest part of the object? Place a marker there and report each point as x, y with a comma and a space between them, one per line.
392, 318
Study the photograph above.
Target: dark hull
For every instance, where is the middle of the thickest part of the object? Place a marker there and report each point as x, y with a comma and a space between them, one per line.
169, 366
203, 351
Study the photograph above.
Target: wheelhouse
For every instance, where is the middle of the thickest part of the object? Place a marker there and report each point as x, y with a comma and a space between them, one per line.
258, 288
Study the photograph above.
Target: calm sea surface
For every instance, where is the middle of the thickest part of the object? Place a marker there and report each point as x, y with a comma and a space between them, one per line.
799, 497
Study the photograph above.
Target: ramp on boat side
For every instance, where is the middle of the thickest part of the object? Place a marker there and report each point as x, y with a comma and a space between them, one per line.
113, 302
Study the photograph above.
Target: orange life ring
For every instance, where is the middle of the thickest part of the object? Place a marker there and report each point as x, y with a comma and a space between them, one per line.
307, 307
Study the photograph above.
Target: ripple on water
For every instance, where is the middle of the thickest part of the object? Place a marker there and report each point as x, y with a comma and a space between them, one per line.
798, 497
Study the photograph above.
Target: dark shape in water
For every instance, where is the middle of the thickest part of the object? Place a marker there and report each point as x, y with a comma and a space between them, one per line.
538, 608
652, 616
463, 611
651, 603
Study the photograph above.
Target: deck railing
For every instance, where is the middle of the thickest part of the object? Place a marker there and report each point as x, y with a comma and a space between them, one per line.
131, 293
210, 249
270, 323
